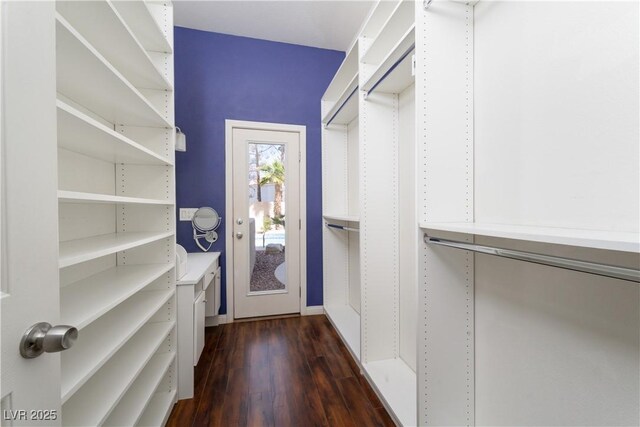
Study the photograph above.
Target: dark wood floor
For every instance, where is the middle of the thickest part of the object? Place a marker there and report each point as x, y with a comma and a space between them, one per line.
280, 372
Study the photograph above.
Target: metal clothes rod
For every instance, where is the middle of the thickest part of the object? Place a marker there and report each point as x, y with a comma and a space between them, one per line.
616, 272
393, 67
342, 106
342, 227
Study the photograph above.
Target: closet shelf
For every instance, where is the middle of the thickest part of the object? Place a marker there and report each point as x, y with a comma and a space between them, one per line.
101, 394
349, 218
82, 134
86, 300
396, 383
344, 77
401, 20
135, 401
103, 27
81, 250
140, 16
98, 343
345, 109
87, 78
595, 239
347, 322
399, 78
80, 197
159, 409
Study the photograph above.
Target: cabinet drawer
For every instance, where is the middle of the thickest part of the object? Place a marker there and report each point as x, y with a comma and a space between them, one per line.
213, 295
209, 275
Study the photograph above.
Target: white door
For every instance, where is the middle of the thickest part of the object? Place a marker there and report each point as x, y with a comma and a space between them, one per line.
29, 388
266, 222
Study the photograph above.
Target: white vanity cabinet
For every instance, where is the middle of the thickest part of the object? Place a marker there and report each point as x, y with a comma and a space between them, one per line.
198, 296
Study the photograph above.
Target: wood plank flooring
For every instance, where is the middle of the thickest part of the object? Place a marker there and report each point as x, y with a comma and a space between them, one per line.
279, 372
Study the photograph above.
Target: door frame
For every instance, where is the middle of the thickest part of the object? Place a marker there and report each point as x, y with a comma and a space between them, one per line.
301, 130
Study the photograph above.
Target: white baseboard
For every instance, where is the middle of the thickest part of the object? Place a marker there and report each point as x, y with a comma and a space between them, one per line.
313, 310
215, 320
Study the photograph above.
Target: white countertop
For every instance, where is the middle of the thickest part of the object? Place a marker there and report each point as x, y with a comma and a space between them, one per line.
197, 264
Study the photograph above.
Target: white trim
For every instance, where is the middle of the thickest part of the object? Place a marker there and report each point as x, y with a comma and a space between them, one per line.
302, 131
313, 310
215, 320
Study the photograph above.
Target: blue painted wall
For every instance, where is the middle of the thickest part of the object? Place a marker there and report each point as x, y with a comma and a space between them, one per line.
218, 77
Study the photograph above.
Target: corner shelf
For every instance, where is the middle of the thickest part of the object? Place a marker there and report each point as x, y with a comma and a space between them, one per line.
86, 300
159, 409
103, 339
349, 218
76, 251
103, 27
87, 78
595, 239
347, 322
135, 401
82, 134
65, 196
139, 15
397, 385
105, 389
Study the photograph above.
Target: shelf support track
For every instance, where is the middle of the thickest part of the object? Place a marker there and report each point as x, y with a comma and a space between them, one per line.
606, 270
342, 227
390, 70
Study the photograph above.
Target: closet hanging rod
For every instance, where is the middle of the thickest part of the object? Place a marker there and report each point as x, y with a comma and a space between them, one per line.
616, 272
342, 106
393, 67
342, 227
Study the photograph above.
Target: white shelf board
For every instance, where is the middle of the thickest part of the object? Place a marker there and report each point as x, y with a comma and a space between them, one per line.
345, 108
139, 16
401, 77
397, 386
596, 239
82, 134
76, 251
103, 338
335, 217
159, 409
103, 27
80, 197
400, 20
87, 78
86, 300
347, 322
100, 395
135, 401
345, 76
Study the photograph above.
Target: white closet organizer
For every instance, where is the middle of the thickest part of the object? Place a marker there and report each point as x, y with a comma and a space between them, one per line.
528, 140
116, 210
369, 181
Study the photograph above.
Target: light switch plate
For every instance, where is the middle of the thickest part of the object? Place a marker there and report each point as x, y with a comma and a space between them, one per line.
186, 214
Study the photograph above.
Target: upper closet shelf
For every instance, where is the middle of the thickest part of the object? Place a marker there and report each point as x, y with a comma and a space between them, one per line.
140, 15
79, 197
81, 250
349, 218
102, 26
80, 133
596, 239
87, 78
393, 30
345, 109
395, 72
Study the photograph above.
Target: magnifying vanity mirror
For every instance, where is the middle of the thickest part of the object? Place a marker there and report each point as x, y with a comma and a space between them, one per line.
205, 221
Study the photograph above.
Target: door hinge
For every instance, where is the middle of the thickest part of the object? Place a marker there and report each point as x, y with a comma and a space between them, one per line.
299, 156
300, 224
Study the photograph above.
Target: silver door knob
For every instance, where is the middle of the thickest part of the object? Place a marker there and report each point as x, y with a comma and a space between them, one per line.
239, 235
42, 337
239, 221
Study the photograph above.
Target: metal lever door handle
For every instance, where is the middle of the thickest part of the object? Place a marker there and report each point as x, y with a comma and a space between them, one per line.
42, 337
239, 235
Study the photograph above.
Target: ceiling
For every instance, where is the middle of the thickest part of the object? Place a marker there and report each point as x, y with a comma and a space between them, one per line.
328, 24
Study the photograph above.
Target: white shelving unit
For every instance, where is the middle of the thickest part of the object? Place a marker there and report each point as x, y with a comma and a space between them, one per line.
512, 155
153, 415
347, 218
116, 202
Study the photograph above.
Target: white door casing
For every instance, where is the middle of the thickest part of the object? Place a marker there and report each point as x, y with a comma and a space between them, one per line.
240, 302
28, 209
